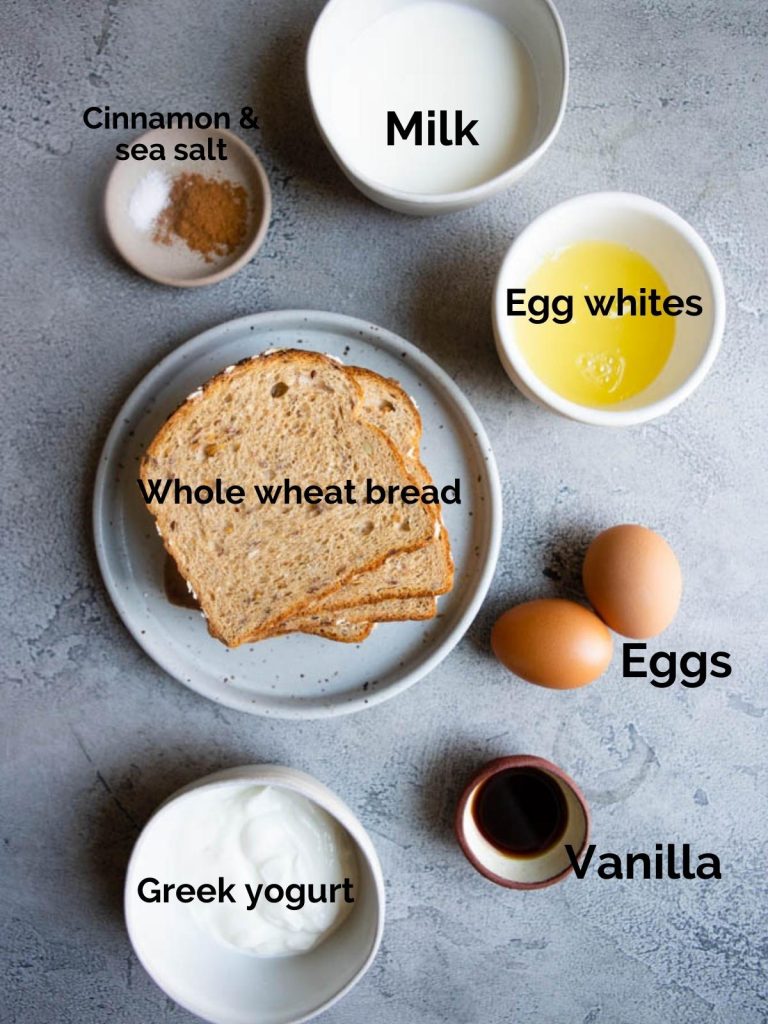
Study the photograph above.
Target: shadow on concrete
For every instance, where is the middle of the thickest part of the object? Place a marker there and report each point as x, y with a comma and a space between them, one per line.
291, 142
450, 771
127, 800
563, 557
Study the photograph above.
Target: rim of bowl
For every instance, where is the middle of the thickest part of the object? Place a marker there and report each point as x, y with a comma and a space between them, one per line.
308, 786
500, 764
510, 355
467, 195
217, 275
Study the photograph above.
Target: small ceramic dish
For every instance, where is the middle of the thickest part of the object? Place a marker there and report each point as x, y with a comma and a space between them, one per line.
177, 264
224, 985
341, 29
677, 252
533, 872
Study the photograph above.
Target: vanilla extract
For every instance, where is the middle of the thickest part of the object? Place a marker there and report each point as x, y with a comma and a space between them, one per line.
662, 863
521, 812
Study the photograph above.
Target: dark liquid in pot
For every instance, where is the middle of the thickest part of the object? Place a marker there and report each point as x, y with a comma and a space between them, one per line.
521, 811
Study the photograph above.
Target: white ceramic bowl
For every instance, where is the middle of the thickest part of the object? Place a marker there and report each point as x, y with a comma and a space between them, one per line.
223, 985
673, 247
535, 23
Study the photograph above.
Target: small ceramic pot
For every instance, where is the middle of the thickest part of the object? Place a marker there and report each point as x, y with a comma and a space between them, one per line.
518, 872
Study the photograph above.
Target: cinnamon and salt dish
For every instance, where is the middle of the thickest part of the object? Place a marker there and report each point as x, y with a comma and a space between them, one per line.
188, 223
521, 820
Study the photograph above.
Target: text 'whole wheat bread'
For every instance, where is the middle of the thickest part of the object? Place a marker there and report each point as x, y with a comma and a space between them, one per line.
290, 414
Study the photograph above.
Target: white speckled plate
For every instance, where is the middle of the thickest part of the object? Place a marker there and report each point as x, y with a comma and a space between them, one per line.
296, 676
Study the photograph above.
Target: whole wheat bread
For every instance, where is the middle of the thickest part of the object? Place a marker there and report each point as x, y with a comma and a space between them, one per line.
341, 632
417, 574
396, 609
288, 414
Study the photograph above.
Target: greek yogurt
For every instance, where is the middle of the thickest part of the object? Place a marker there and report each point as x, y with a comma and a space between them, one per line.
294, 867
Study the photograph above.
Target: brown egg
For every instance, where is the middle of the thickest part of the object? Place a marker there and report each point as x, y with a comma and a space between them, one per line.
554, 643
633, 579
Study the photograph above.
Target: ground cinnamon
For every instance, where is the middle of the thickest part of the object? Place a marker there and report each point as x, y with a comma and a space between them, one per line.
209, 214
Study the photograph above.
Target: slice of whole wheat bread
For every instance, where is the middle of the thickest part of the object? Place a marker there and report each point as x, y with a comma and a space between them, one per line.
426, 571
341, 632
289, 414
395, 609
417, 574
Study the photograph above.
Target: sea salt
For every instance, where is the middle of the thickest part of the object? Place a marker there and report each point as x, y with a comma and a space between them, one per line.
148, 199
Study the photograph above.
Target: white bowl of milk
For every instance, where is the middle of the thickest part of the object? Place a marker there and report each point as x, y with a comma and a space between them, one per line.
431, 106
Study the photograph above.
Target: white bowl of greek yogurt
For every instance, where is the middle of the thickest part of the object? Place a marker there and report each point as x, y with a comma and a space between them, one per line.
255, 896
430, 106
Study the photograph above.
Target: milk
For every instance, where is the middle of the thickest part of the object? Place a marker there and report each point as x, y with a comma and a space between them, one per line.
433, 59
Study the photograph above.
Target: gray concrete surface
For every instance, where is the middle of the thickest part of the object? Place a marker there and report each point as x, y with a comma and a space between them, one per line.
668, 99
